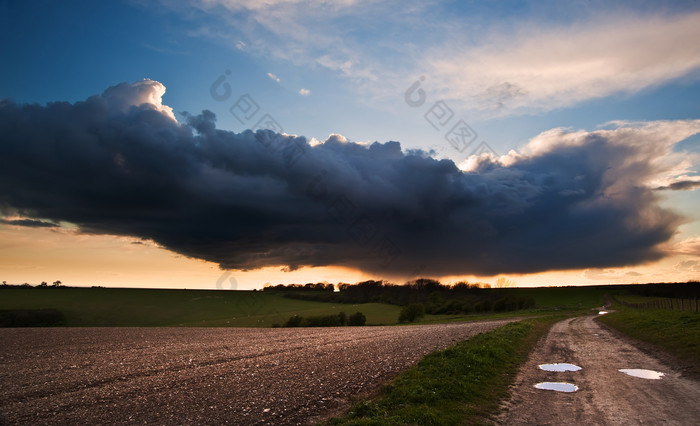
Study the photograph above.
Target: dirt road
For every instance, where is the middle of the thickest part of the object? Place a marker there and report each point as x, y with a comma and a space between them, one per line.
605, 396
203, 375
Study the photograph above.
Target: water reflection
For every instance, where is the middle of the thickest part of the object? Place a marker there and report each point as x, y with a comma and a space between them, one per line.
559, 367
557, 386
642, 373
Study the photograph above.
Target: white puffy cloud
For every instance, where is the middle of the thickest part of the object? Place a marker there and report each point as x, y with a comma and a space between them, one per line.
147, 92
640, 154
273, 77
304, 92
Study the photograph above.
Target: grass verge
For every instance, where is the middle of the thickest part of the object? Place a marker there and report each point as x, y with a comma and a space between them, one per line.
678, 333
463, 384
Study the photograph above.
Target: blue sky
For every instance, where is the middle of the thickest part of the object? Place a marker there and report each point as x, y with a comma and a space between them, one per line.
511, 70
356, 67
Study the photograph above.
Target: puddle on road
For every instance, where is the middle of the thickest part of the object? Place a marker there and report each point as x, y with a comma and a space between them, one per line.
559, 367
602, 312
557, 386
642, 373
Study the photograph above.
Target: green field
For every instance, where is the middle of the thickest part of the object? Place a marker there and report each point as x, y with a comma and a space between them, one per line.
123, 307
224, 308
586, 297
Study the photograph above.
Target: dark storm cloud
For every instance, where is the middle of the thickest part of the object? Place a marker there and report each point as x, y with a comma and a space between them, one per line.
681, 185
31, 223
118, 163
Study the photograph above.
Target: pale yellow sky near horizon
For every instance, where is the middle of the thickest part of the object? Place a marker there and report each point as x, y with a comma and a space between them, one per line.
34, 255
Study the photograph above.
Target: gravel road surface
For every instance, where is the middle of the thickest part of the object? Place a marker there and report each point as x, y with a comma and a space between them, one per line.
204, 375
606, 396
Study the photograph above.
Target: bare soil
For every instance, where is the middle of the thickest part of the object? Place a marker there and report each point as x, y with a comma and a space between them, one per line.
204, 375
606, 396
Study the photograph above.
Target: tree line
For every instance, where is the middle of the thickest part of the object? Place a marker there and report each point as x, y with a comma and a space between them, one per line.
433, 296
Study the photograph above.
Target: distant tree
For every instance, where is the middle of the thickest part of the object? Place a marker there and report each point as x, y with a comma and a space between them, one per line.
411, 312
342, 318
503, 282
425, 284
357, 319
43, 284
462, 285
4, 283
57, 283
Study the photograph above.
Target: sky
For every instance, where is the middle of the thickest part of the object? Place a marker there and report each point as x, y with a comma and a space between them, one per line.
230, 144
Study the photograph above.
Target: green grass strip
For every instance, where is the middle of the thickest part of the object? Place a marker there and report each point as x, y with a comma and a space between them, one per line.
463, 384
678, 333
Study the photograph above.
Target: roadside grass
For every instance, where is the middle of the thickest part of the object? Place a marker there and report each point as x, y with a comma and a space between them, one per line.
678, 333
463, 384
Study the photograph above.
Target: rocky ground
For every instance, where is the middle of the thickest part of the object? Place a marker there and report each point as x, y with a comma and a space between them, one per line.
204, 375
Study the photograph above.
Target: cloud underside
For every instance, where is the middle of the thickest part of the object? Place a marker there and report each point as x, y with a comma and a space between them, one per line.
118, 163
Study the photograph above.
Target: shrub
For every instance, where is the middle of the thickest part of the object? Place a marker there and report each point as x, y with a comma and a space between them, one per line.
357, 319
293, 321
321, 321
411, 312
505, 304
483, 306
